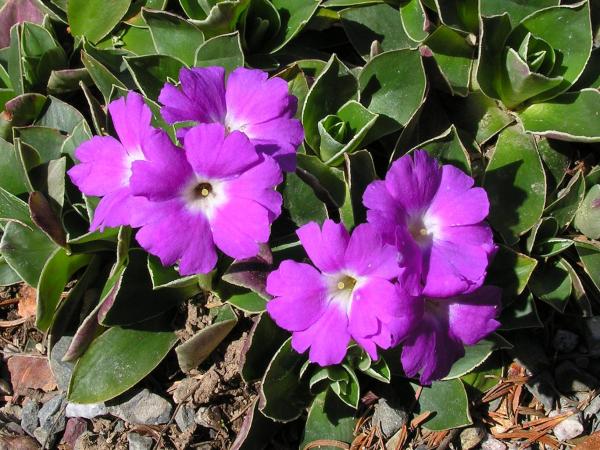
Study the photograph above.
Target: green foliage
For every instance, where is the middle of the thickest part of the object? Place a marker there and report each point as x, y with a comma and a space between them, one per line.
493, 87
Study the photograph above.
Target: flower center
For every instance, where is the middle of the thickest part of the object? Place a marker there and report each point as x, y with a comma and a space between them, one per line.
341, 289
346, 283
419, 231
202, 190
204, 196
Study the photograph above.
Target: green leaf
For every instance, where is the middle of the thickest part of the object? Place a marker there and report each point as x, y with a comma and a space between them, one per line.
46, 218
379, 23
551, 283
264, 340
301, 202
486, 376
590, 258
57, 272
361, 172
166, 277
564, 208
587, 219
414, 20
490, 70
553, 247
448, 400
64, 81
328, 419
224, 50
13, 209
448, 149
520, 315
222, 17
8, 276
137, 41
195, 9
113, 363
249, 302
60, 115
454, 56
135, 300
334, 86
390, 79
327, 181
573, 42
556, 118
26, 251
102, 77
476, 355
579, 293
556, 158
196, 349
173, 36
152, 71
459, 14
511, 271
283, 396
480, 116
356, 120
256, 429
47, 142
516, 9
516, 185
294, 14
94, 19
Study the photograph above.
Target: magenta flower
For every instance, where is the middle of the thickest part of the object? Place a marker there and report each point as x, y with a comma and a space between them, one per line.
104, 169
434, 216
249, 101
219, 191
351, 297
444, 327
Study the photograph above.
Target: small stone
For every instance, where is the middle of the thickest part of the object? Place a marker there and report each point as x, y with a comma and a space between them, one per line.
43, 437
593, 408
12, 412
592, 334
491, 443
139, 442
119, 427
52, 415
75, 428
569, 428
144, 408
29, 416
185, 417
86, 411
208, 417
569, 378
62, 370
388, 418
565, 341
471, 437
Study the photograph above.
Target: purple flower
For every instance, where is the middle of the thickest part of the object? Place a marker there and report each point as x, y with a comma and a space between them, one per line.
444, 326
434, 216
104, 169
249, 102
352, 296
219, 191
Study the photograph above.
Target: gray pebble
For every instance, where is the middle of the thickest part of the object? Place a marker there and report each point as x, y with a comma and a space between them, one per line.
185, 417
144, 407
388, 418
139, 442
491, 443
29, 416
471, 437
569, 428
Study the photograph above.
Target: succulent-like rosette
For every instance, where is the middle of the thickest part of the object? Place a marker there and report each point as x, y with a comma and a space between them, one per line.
435, 217
216, 192
247, 101
444, 326
104, 168
349, 295
531, 61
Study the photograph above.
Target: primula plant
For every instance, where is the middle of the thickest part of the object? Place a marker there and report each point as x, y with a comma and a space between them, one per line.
385, 196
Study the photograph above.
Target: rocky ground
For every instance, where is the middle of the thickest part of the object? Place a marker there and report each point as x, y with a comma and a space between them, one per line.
547, 399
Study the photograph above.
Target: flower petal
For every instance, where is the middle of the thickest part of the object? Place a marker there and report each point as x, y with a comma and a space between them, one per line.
472, 316
215, 155
367, 255
457, 202
327, 247
175, 234
165, 171
201, 97
413, 180
131, 118
384, 212
278, 138
300, 295
239, 226
327, 338
254, 98
118, 208
103, 166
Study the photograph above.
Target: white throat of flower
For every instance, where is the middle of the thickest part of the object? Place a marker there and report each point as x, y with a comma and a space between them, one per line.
204, 195
423, 228
340, 289
231, 124
133, 154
